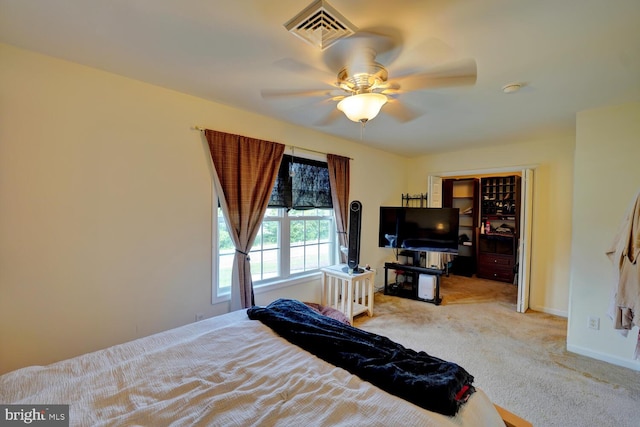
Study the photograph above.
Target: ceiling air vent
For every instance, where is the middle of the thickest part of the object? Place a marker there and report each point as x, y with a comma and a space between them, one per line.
320, 25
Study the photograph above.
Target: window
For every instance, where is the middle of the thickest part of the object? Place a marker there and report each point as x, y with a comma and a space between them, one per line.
293, 241
311, 245
311, 239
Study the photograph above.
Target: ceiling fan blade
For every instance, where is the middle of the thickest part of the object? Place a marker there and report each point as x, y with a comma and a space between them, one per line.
301, 68
333, 115
287, 93
384, 42
459, 73
400, 111
390, 88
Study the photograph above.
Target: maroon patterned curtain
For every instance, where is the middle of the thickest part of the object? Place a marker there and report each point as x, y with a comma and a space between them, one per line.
245, 172
339, 181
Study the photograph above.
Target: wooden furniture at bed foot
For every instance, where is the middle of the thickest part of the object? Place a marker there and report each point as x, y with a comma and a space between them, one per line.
352, 294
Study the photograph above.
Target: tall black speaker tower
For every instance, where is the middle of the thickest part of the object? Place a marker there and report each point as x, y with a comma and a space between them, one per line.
353, 255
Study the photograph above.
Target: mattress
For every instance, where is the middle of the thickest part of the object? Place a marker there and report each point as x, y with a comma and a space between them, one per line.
224, 371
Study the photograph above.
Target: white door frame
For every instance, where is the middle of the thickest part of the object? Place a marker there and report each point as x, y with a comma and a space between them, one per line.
434, 200
526, 212
524, 245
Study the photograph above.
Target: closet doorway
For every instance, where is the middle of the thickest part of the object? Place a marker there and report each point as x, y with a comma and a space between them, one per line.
524, 216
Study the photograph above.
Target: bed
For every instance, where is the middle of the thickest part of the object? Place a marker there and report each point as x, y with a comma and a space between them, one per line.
223, 371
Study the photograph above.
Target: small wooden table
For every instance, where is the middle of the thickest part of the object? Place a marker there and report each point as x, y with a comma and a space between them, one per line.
352, 294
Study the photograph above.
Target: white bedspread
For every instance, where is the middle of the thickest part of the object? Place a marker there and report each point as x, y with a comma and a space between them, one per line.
224, 371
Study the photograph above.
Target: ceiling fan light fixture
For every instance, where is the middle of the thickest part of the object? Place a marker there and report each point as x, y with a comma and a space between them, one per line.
362, 107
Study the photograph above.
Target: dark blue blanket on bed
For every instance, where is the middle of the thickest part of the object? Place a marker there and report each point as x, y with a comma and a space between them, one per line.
424, 380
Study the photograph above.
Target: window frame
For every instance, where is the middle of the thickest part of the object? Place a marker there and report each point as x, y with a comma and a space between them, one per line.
285, 278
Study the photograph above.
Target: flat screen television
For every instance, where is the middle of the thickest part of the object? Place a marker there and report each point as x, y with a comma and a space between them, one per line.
419, 229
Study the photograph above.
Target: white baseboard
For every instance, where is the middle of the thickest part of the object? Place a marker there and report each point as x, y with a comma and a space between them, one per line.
548, 310
625, 363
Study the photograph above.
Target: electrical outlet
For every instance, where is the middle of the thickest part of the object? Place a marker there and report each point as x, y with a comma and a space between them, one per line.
594, 322
199, 316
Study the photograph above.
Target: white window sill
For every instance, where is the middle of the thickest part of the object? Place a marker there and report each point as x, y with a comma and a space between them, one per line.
291, 281
276, 284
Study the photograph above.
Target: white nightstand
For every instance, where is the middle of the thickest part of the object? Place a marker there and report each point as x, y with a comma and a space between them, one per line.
352, 294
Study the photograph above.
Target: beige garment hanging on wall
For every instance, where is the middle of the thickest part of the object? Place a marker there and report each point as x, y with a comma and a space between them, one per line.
624, 308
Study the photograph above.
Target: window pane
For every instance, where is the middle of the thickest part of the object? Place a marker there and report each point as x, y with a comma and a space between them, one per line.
226, 251
311, 239
296, 232
324, 231
296, 259
311, 257
256, 266
273, 212
265, 252
270, 234
311, 232
257, 243
270, 264
324, 257
224, 239
311, 213
225, 264
305, 212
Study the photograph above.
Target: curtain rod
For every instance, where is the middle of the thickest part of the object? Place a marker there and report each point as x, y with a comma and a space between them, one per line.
201, 129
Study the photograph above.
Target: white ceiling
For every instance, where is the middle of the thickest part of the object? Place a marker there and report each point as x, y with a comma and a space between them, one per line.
571, 55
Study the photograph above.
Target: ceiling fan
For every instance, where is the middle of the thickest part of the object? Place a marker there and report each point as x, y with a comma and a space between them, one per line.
362, 85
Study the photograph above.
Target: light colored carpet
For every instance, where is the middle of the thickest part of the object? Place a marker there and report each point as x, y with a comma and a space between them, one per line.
519, 360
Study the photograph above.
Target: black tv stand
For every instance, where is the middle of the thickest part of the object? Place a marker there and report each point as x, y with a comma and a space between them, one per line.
409, 288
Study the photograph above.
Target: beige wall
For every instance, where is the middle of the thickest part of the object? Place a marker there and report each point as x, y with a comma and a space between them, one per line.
606, 180
552, 161
105, 206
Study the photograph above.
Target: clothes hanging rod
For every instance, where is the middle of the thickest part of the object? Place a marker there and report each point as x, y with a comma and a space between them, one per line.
201, 129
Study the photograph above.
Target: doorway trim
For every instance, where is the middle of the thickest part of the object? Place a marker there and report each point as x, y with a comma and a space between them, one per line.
526, 203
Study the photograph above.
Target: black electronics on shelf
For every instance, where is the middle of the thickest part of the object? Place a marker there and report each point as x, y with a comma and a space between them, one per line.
419, 229
406, 283
411, 230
